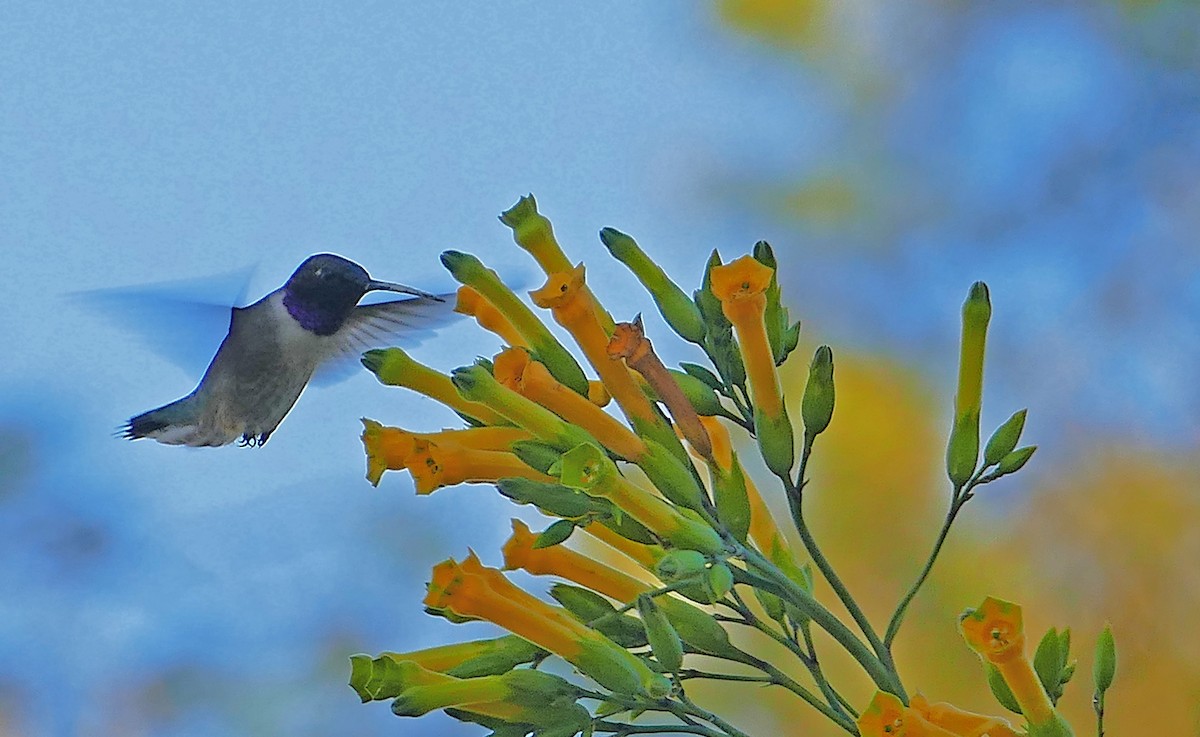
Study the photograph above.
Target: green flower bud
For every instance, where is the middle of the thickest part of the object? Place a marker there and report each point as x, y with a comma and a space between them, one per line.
1004, 439
962, 452
595, 611
1015, 460
664, 640
732, 501
680, 312
469, 270
699, 394
816, 409
673, 480
1105, 665
698, 629
554, 534
775, 441
719, 581
679, 565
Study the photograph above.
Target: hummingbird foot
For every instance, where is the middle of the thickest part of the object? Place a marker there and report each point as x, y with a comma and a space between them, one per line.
254, 441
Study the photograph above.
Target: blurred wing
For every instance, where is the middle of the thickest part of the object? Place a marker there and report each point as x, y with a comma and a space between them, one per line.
183, 321
404, 322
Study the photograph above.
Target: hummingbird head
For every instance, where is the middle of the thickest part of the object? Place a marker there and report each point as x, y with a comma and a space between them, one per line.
324, 290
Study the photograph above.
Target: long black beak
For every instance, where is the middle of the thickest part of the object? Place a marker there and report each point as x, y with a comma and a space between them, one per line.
387, 286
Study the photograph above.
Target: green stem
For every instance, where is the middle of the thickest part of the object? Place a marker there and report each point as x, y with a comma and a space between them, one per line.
621, 729
957, 501
835, 699
700, 713
1098, 707
795, 496
777, 582
834, 709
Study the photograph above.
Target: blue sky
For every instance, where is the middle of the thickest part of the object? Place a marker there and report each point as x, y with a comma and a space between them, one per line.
147, 589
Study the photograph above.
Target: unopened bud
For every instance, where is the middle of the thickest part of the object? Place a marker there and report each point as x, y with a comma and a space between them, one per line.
664, 640
816, 409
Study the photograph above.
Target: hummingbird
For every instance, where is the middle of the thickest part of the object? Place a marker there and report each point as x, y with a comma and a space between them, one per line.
274, 346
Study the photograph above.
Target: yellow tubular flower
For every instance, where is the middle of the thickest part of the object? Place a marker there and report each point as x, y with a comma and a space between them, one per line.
741, 285
515, 369
565, 296
433, 466
630, 343
473, 591
995, 630
645, 555
563, 562
471, 302
394, 367
960, 722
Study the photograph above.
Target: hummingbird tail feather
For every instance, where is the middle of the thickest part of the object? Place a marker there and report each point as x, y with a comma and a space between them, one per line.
176, 423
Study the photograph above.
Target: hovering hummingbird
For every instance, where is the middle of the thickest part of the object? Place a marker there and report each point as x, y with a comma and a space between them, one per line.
273, 347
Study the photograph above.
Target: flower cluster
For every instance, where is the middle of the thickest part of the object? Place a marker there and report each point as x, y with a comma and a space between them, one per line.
660, 482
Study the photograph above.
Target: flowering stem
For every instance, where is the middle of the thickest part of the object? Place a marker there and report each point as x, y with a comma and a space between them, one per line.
834, 710
959, 497
620, 729
773, 580
795, 496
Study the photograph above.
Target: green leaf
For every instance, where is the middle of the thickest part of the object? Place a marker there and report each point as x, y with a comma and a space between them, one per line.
1004, 439
703, 374
1000, 689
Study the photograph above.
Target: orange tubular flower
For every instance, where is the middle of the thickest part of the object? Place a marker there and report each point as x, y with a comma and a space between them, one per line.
995, 630
565, 295
563, 562
391, 447
434, 465
887, 716
515, 369
473, 591
630, 343
470, 302
741, 285
960, 722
